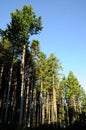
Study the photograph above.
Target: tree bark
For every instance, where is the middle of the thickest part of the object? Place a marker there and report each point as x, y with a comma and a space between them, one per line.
22, 85
8, 93
54, 104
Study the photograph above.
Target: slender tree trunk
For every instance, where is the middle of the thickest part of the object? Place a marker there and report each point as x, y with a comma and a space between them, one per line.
27, 104
54, 104
13, 102
34, 107
43, 111
22, 85
30, 107
30, 118
42, 114
47, 107
1, 73
8, 93
67, 114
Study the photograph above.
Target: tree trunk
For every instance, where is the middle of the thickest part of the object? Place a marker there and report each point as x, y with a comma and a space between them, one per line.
47, 107
22, 85
26, 104
8, 93
54, 104
1, 73
13, 102
43, 110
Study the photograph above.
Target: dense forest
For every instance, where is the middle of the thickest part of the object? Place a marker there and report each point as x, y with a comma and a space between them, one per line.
33, 90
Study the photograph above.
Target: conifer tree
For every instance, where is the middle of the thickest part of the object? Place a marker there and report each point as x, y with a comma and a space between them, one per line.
24, 23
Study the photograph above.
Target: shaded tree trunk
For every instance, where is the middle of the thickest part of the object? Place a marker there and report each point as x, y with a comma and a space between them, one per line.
1, 73
8, 93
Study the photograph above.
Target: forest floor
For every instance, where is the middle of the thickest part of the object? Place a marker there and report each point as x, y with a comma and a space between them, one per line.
45, 127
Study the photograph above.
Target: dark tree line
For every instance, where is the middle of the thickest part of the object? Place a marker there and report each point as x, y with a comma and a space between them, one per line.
32, 91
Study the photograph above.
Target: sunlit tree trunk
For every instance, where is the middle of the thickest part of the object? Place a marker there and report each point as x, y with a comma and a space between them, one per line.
72, 108
1, 73
43, 110
41, 100
54, 103
22, 85
47, 107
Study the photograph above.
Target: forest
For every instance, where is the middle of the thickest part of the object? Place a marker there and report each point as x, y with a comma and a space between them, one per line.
34, 93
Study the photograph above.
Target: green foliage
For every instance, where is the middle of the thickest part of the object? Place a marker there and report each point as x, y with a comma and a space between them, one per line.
45, 71
83, 100
72, 86
5, 51
35, 47
23, 24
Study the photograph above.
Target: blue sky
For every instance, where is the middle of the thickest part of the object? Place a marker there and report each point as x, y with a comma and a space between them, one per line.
64, 30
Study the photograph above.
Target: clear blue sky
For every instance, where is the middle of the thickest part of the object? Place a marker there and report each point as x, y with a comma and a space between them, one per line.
64, 30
